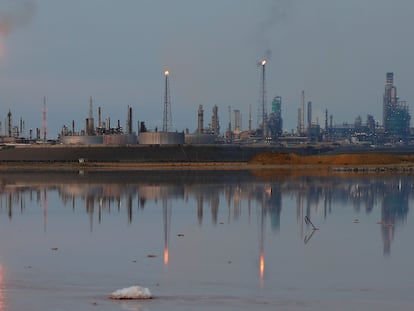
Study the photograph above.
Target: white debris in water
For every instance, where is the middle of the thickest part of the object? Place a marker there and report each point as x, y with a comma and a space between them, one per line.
133, 292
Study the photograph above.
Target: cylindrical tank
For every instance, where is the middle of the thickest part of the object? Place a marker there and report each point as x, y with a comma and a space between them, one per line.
125, 139
90, 128
199, 139
81, 140
161, 138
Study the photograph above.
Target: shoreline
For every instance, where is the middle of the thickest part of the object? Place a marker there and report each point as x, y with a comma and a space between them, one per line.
270, 161
218, 166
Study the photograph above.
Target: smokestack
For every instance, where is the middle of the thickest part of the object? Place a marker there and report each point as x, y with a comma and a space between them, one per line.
250, 118
9, 123
44, 119
309, 115
99, 117
200, 120
302, 113
90, 108
129, 120
215, 121
90, 127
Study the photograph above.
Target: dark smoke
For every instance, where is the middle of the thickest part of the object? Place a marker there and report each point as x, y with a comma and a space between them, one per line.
275, 13
14, 14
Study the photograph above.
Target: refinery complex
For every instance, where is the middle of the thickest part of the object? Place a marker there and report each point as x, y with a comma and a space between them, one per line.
394, 130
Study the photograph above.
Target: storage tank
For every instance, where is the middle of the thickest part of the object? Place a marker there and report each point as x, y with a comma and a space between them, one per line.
161, 138
122, 139
199, 139
82, 140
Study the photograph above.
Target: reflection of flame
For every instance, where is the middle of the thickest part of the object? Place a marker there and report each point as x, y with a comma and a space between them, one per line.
166, 72
1, 49
262, 265
2, 300
263, 62
166, 256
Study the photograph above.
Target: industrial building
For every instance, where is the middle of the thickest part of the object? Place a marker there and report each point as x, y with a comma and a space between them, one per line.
102, 134
394, 129
275, 118
396, 117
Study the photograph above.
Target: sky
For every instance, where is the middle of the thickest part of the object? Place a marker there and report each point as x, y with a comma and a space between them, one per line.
337, 51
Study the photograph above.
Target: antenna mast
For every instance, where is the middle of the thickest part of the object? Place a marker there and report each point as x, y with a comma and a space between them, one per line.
44, 123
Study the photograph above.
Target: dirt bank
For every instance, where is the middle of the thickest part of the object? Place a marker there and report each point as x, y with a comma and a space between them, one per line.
332, 160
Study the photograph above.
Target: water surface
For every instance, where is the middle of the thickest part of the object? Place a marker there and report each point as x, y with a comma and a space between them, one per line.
206, 240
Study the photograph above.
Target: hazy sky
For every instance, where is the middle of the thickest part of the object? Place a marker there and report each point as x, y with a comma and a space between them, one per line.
116, 51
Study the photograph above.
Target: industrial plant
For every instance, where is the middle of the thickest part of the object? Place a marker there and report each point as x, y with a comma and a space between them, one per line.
395, 128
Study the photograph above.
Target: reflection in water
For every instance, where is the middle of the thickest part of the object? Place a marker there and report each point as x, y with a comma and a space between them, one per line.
2, 298
166, 212
44, 202
101, 192
262, 235
394, 210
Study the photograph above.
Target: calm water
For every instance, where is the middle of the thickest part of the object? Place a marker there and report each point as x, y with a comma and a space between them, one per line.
206, 241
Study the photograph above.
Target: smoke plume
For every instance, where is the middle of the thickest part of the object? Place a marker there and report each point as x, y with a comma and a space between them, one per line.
276, 12
14, 14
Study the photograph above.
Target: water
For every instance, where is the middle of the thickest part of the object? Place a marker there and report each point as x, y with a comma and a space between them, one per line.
206, 240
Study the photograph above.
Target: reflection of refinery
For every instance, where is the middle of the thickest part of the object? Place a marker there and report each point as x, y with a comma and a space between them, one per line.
226, 200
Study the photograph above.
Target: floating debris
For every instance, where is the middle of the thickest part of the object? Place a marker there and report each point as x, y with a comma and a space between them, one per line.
356, 221
151, 256
54, 248
180, 235
133, 292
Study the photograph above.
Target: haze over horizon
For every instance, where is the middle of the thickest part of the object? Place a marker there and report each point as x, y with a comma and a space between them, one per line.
337, 51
